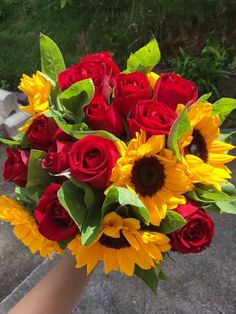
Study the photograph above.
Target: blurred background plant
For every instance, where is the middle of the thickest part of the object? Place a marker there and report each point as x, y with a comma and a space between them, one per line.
196, 37
205, 69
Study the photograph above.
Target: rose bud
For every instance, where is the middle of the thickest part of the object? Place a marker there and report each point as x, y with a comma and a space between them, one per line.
172, 90
151, 116
198, 232
43, 132
100, 116
53, 221
57, 159
128, 90
16, 166
98, 66
92, 159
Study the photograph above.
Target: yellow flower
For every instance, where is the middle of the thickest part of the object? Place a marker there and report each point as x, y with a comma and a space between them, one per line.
152, 78
204, 156
152, 172
120, 245
25, 228
37, 89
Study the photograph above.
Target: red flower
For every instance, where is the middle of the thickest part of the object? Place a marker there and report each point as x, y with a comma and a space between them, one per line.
43, 132
16, 166
198, 232
92, 159
100, 116
128, 90
151, 116
57, 159
172, 90
98, 66
53, 221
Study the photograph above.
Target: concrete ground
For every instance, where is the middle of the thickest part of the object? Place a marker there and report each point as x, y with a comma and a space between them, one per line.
199, 283
16, 261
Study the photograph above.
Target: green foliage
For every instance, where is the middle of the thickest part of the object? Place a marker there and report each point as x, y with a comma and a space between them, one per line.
151, 276
144, 59
26, 197
74, 98
207, 194
173, 221
224, 107
80, 134
180, 127
214, 200
63, 124
205, 69
125, 201
120, 26
52, 61
38, 178
71, 198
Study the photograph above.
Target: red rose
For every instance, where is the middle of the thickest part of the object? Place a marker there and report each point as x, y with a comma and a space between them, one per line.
92, 159
128, 90
43, 132
197, 234
53, 221
151, 116
100, 116
98, 66
57, 160
172, 90
16, 166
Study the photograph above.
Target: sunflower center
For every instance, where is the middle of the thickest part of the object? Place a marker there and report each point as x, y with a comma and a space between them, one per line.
198, 146
114, 243
147, 176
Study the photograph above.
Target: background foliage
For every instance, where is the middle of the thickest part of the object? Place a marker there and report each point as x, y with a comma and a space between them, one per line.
194, 35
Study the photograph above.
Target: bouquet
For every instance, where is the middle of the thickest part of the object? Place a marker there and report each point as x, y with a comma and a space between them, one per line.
118, 167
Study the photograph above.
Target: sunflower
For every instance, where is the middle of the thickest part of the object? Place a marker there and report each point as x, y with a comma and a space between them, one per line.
152, 172
25, 228
121, 244
37, 89
204, 156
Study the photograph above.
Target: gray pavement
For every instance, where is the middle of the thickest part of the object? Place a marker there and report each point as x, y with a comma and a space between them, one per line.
16, 261
199, 283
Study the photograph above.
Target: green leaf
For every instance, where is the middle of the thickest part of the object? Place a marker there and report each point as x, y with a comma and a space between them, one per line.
144, 59
229, 189
173, 221
52, 61
63, 244
223, 107
21, 138
81, 134
66, 127
207, 194
71, 198
149, 276
76, 97
180, 127
212, 207
91, 225
227, 206
204, 98
89, 195
226, 137
38, 178
119, 196
26, 197
63, 3
10, 143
